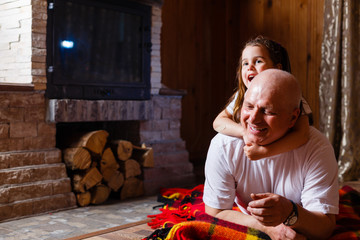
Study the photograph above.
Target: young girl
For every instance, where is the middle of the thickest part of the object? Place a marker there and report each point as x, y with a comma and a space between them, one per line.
258, 55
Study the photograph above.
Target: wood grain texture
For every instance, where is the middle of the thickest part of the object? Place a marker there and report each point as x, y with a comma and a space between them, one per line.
202, 41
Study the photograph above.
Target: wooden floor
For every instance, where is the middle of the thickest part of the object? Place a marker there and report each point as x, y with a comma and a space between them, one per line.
132, 231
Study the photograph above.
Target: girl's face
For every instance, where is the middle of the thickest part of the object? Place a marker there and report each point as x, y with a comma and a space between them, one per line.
254, 60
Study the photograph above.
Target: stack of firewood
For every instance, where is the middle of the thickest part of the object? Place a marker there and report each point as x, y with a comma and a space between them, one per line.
98, 167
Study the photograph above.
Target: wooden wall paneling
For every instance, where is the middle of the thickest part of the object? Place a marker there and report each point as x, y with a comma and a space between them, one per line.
202, 85
201, 44
169, 44
297, 41
185, 62
218, 65
315, 30
233, 47
190, 65
252, 15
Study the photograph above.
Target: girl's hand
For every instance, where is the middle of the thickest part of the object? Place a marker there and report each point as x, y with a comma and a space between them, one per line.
254, 151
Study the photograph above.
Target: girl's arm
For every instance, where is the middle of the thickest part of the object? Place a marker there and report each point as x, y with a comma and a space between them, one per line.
298, 136
224, 124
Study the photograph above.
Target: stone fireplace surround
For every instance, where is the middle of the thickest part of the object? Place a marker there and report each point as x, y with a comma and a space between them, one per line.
33, 178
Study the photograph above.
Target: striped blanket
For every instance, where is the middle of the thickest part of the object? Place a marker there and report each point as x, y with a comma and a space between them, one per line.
348, 220
183, 217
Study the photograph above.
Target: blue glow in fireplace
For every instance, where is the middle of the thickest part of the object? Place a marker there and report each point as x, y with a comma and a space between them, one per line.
98, 49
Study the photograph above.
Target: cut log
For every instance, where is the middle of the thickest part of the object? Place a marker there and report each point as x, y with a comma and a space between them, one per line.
78, 185
91, 178
144, 155
99, 194
123, 149
108, 161
113, 178
131, 168
99, 170
116, 181
133, 187
93, 141
83, 199
77, 158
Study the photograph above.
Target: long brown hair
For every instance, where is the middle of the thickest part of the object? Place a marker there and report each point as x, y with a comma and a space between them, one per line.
278, 55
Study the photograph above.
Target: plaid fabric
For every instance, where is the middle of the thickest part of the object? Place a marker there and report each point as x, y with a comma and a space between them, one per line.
211, 231
183, 217
348, 220
179, 205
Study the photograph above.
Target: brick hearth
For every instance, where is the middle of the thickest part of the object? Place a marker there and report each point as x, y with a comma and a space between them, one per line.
33, 178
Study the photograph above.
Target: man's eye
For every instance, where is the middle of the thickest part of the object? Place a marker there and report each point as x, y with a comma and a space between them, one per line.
269, 113
244, 64
259, 61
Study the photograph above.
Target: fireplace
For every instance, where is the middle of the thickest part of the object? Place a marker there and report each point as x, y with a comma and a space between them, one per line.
98, 49
33, 124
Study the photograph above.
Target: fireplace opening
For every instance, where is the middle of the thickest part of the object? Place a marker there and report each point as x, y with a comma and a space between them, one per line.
98, 171
98, 50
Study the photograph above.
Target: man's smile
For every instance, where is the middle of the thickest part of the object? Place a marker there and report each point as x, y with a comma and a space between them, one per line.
255, 129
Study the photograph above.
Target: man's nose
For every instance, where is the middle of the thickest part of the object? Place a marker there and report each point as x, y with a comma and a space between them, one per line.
255, 116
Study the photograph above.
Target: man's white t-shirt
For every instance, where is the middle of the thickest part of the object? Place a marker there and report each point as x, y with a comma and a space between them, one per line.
306, 175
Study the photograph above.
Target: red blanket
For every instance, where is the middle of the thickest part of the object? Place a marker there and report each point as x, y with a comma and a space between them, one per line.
183, 217
348, 220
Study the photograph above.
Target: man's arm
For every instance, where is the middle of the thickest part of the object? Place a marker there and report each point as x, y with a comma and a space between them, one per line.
235, 217
278, 232
315, 225
272, 209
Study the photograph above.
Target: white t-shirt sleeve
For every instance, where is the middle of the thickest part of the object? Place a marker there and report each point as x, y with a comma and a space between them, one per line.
230, 106
321, 190
219, 188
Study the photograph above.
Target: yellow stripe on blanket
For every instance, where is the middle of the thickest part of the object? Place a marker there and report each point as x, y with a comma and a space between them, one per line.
205, 230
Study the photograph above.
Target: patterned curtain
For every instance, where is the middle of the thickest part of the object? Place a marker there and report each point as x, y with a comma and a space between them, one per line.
340, 84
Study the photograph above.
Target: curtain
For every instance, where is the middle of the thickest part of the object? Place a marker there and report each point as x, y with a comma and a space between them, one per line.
339, 86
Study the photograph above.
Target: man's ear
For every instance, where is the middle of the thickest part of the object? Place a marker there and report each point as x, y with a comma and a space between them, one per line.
294, 116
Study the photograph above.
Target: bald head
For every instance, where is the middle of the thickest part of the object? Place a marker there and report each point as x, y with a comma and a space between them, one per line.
279, 84
271, 106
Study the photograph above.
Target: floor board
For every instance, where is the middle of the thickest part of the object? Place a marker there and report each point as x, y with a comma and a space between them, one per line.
137, 230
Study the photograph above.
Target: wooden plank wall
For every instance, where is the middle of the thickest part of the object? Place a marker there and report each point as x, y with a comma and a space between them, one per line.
202, 41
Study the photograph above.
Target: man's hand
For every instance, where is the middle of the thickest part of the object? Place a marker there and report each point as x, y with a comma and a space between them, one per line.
283, 232
269, 209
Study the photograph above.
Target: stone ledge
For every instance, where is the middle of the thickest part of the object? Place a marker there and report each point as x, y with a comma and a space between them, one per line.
14, 87
20, 192
32, 173
29, 158
35, 206
76, 110
72, 110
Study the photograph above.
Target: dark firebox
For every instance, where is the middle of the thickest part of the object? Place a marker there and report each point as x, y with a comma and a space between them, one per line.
98, 49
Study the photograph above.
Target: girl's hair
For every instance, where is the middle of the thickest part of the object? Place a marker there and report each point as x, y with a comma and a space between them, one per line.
278, 55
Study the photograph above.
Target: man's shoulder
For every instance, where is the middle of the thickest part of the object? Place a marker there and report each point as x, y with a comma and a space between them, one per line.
225, 145
225, 140
219, 137
317, 136
318, 142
